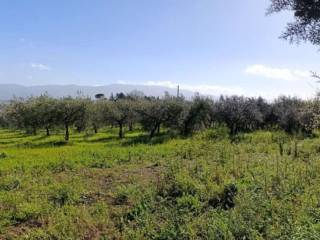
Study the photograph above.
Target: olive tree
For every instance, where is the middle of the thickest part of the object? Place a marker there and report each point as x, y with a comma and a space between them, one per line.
154, 112
198, 115
69, 111
3, 121
96, 114
287, 112
23, 114
238, 113
118, 111
46, 108
306, 24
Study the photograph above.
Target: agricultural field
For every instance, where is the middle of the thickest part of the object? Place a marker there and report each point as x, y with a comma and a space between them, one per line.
159, 120
259, 185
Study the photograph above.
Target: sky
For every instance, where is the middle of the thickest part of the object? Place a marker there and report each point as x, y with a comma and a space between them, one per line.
208, 46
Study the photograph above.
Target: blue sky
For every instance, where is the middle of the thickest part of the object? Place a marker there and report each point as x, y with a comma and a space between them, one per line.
206, 45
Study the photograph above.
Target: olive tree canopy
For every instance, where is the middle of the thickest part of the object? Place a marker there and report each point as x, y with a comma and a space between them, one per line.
306, 24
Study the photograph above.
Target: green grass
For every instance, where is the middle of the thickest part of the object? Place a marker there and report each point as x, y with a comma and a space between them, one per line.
203, 187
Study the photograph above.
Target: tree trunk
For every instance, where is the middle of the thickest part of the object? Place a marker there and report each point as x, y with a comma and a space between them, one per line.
34, 131
158, 128
233, 129
95, 128
48, 131
66, 137
153, 130
120, 130
130, 126
152, 133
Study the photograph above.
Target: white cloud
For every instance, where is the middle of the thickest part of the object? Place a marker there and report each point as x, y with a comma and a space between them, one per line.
40, 66
277, 73
201, 88
121, 82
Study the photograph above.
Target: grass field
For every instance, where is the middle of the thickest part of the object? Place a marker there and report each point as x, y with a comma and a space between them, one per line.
263, 185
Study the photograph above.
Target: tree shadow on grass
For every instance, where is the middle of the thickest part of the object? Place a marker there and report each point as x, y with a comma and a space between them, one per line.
145, 139
34, 143
102, 139
15, 141
39, 138
53, 143
8, 142
17, 136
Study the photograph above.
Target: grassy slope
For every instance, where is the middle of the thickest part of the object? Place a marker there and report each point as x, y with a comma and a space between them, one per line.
98, 187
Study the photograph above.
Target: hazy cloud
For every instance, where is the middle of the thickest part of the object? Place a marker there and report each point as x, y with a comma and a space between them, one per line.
122, 82
40, 66
201, 88
276, 73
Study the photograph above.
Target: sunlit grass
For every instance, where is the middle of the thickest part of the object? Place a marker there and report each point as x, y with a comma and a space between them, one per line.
96, 186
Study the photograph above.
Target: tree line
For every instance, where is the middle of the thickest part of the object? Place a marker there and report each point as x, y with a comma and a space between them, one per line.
125, 111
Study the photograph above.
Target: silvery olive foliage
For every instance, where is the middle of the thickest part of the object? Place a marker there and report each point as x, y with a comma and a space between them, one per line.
306, 23
176, 114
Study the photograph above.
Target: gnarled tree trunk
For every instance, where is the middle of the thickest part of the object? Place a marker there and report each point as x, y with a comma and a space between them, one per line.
121, 135
47, 131
66, 137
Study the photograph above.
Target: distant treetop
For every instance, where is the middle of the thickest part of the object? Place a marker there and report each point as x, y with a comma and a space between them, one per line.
99, 96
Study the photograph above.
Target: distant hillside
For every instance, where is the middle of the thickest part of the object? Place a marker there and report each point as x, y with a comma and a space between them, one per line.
8, 91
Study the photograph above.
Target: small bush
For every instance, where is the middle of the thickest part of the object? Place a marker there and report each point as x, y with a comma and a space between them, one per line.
57, 167
63, 194
3, 155
188, 203
9, 184
182, 184
225, 200
127, 194
27, 212
99, 164
216, 134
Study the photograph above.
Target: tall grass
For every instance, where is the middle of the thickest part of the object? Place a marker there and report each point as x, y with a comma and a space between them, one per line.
262, 186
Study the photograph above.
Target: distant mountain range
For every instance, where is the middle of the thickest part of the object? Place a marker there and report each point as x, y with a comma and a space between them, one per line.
8, 91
